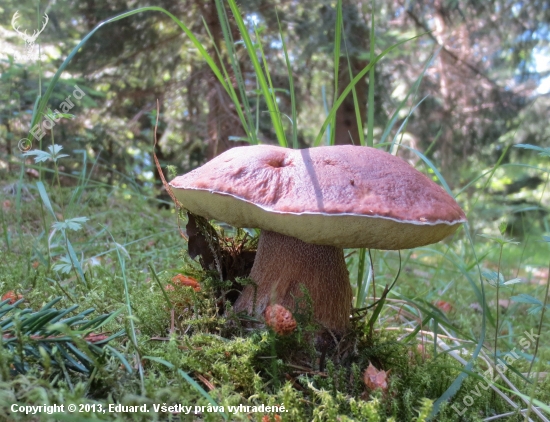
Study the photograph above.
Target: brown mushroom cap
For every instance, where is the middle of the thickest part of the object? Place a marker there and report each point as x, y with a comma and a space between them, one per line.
345, 196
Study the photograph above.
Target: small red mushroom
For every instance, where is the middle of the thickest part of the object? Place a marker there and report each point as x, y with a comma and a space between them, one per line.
375, 379
279, 319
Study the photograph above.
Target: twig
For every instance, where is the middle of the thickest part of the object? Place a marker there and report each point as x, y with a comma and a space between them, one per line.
161, 174
205, 382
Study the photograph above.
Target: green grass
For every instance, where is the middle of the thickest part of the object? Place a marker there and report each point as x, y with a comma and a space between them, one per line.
251, 367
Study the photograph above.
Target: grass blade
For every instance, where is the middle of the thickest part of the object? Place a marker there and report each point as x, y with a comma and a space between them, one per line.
291, 86
246, 117
132, 333
120, 357
360, 275
74, 260
414, 89
347, 90
268, 96
358, 118
168, 302
187, 378
395, 144
370, 105
45, 199
337, 42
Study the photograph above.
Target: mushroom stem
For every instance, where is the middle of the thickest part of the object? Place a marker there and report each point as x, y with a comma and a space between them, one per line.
283, 263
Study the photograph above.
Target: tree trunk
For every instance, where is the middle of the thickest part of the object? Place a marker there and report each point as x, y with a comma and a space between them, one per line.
223, 120
347, 130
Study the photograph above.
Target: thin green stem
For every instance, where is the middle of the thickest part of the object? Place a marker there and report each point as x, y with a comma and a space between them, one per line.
360, 274
498, 291
545, 303
40, 170
535, 382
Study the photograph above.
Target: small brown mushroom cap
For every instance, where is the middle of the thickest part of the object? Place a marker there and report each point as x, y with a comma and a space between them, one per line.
279, 319
345, 196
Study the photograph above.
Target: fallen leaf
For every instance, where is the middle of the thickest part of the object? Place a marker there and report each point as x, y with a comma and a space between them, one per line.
183, 280
198, 244
12, 296
267, 418
94, 338
444, 306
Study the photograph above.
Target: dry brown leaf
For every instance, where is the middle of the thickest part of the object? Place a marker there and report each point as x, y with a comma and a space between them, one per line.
94, 338
268, 418
183, 280
444, 306
12, 296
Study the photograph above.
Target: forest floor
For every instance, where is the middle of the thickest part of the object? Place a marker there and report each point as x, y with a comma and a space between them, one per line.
164, 350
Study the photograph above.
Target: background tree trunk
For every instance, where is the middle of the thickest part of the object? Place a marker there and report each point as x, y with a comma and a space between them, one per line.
347, 131
223, 120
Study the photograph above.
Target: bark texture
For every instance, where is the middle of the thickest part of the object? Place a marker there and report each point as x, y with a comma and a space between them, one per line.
283, 263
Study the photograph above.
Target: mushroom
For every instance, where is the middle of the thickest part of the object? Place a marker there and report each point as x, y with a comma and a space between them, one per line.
310, 204
279, 319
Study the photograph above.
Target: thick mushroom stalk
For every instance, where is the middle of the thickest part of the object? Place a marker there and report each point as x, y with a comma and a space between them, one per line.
283, 264
342, 197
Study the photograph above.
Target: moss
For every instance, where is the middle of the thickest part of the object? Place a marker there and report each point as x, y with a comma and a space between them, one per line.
243, 362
